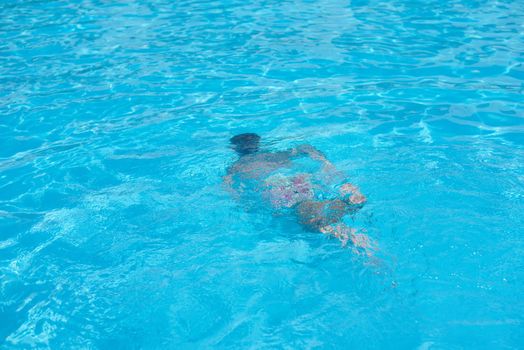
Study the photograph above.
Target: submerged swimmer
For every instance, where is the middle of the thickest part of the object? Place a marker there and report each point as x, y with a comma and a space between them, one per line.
273, 176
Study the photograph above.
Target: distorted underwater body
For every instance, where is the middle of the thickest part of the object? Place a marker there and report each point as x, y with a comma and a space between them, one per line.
282, 180
262, 175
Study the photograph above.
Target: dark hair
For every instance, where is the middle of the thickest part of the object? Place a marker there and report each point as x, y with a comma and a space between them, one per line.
245, 143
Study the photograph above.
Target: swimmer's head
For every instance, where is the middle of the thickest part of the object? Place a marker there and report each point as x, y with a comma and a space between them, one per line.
245, 143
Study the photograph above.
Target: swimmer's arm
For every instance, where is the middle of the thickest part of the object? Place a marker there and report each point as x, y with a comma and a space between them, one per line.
310, 151
315, 154
356, 197
227, 182
227, 185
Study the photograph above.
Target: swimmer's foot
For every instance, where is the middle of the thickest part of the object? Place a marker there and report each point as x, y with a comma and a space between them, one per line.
338, 232
352, 195
361, 242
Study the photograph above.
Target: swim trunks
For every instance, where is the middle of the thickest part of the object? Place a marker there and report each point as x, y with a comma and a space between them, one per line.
287, 191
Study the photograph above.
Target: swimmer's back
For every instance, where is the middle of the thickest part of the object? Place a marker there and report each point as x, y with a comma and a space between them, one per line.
260, 165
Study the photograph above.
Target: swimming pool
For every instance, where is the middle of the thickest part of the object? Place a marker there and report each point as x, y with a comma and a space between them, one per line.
115, 230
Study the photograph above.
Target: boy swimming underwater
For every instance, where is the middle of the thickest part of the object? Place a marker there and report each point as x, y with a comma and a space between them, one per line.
273, 175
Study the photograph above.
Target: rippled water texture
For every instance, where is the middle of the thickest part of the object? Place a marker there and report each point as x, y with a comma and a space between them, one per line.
115, 231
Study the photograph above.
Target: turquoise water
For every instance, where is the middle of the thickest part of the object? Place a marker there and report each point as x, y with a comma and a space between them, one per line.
115, 230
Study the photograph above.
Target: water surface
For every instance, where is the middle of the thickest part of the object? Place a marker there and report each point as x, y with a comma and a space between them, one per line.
115, 231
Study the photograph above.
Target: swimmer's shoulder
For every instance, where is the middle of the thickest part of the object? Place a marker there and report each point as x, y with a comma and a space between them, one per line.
277, 157
247, 161
242, 163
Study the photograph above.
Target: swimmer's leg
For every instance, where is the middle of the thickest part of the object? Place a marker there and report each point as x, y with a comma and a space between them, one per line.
361, 241
351, 195
316, 214
325, 217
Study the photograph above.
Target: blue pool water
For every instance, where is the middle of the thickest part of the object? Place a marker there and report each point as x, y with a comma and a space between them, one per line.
115, 230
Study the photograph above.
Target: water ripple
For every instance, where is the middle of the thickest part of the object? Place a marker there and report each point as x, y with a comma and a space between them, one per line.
114, 121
